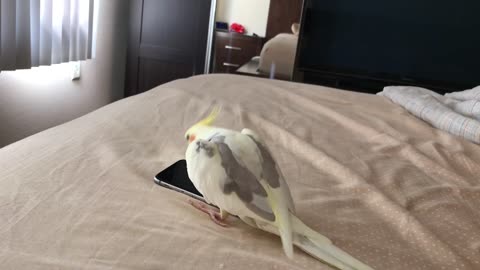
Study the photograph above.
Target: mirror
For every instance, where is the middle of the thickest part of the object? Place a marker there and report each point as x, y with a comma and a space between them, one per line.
256, 37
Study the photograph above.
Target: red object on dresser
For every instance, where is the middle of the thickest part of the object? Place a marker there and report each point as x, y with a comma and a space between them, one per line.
235, 27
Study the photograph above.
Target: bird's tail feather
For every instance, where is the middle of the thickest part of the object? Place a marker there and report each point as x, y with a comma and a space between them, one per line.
286, 231
313, 243
322, 248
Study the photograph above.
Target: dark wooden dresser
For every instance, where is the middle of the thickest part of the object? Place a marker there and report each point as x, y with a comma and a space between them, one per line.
232, 50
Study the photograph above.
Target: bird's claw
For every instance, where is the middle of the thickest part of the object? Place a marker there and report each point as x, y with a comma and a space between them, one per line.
215, 216
213, 213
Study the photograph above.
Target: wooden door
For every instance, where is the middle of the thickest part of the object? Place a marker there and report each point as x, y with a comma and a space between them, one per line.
167, 41
281, 16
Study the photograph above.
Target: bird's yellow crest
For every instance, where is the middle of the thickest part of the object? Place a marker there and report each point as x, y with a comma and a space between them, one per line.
191, 133
210, 118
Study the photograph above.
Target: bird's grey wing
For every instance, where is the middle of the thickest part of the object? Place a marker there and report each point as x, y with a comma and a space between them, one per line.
270, 171
241, 181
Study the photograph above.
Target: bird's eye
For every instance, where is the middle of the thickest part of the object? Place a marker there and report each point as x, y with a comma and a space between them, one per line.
188, 137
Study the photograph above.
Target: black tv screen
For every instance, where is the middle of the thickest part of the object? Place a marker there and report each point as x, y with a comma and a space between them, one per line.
431, 41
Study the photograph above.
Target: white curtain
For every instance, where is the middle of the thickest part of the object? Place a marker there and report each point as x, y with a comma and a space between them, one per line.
44, 32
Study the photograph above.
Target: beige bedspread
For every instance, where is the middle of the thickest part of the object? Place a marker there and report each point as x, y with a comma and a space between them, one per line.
383, 185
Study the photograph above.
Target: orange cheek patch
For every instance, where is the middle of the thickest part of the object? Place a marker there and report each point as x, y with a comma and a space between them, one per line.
192, 138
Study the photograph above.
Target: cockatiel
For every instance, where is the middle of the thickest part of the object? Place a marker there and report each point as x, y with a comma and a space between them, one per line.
236, 172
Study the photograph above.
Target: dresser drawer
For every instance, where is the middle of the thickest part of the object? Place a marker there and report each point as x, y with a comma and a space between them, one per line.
233, 50
225, 67
236, 57
229, 62
239, 46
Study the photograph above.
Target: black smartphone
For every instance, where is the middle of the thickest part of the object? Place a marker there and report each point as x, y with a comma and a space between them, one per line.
176, 178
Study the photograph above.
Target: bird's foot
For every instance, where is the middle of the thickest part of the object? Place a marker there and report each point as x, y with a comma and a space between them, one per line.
210, 211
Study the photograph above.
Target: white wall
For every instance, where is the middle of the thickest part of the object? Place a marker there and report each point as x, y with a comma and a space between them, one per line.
253, 14
40, 98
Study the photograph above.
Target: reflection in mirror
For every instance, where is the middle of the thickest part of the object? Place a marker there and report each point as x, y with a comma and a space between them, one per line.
256, 37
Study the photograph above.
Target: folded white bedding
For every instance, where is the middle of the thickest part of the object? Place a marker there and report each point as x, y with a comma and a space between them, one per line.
279, 51
457, 112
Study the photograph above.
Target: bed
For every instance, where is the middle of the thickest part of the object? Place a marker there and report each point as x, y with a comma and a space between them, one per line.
383, 185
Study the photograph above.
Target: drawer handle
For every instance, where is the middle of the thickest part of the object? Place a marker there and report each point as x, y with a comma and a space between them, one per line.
230, 65
232, 48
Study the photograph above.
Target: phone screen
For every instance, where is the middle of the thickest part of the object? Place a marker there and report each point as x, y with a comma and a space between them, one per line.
176, 177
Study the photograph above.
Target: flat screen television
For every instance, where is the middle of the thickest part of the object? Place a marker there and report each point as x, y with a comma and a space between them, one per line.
431, 43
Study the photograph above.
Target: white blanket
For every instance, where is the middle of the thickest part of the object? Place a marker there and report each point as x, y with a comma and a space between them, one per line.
457, 113
279, 51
